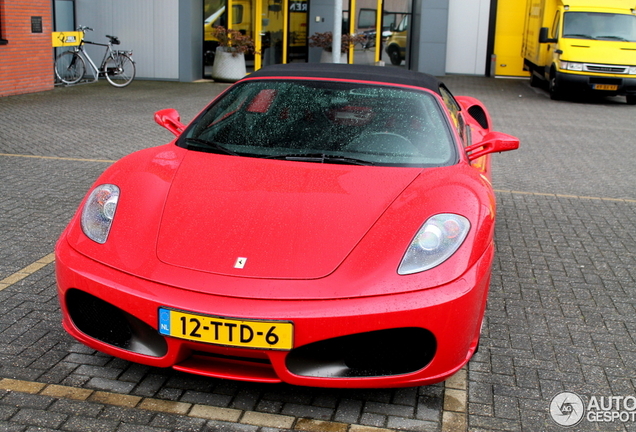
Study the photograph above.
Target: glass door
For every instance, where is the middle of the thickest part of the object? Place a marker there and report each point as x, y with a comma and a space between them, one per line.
271, 20
297, 31
365, 22
386, 35
396, 32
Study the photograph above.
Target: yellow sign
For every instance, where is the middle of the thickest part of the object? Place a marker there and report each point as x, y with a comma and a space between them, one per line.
61, 39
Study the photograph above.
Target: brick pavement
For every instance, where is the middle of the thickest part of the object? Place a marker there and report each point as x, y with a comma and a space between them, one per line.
560, 314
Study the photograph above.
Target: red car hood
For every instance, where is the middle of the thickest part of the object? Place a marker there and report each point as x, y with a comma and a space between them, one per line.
271, 219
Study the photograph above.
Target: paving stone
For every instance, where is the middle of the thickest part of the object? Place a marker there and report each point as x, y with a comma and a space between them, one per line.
39, 418
348, 411
83, 424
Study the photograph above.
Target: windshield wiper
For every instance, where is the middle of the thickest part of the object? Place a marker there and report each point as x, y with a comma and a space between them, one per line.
578, 35
208, 145
612, 37
321, 158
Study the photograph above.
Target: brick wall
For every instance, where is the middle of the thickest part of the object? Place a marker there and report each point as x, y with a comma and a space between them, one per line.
26, 61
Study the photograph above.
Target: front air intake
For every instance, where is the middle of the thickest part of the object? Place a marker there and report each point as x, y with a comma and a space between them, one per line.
372, 354
107, 323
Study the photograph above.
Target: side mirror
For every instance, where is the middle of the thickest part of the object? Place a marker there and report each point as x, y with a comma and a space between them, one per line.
543, 36
170, 119
392, 27
493, 142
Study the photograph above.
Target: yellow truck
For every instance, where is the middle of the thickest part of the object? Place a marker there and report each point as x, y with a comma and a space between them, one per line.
582, 45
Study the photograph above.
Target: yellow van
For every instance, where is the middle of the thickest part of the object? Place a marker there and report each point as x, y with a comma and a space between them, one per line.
584, 45
396, 42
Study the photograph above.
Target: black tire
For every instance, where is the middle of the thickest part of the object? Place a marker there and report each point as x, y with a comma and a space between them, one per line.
120, 70
394, 55
535, 81
630, 99
555, 91
69, 67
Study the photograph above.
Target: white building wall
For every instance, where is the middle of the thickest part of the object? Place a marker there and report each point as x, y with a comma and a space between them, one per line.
150, 28
467, 38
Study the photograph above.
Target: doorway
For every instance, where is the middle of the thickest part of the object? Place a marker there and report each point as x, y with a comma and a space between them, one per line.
278, 28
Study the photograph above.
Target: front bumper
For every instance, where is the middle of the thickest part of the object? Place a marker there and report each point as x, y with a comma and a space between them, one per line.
397, 340
584, 82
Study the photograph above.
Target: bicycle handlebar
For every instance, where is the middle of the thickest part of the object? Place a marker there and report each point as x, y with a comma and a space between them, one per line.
84, 28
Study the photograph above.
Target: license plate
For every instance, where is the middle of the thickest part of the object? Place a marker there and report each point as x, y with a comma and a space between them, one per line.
275, 335
610, 87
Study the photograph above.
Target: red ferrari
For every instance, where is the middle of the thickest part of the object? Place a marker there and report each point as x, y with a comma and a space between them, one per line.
319, 225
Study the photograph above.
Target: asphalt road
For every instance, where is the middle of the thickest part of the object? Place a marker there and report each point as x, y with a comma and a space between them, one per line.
560, 317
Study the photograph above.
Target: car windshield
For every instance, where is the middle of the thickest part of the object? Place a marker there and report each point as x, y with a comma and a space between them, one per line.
326, 122
594, 25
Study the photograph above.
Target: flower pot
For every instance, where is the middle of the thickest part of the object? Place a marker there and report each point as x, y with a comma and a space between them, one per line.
227, 67
327, 57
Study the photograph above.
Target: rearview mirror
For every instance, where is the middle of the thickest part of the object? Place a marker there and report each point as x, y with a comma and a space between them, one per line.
170, 119
493, 142
543, 36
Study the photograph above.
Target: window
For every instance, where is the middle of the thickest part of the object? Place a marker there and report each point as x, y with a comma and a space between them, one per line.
326, 122
366, 18
2, 40
458, 121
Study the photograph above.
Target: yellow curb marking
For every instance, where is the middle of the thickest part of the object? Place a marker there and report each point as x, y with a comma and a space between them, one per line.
64, 392
320, 426
454, 412
268, 420
161, 405
58, 158
181, 408
26, 271
628, 200
362, 428
21, 386
116, 399
216, 413
624, 200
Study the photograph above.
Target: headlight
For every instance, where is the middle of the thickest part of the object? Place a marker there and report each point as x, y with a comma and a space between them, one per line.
572, 66
632, 70
99, 211
434, 243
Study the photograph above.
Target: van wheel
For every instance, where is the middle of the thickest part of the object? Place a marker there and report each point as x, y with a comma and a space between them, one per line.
555, 92
394, 55
630, 99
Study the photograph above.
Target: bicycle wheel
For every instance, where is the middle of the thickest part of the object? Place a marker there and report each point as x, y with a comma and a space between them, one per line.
69, 67
120, 70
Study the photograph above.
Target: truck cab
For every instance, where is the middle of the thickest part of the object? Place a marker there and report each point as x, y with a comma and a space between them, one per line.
582, 45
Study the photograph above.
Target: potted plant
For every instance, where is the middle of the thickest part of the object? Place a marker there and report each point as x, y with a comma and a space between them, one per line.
325, 41
229, 58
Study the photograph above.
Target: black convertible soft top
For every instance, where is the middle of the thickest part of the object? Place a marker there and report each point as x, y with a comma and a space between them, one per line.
389, 75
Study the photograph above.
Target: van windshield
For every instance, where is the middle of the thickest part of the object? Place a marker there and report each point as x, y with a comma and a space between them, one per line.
326, 122
599, 26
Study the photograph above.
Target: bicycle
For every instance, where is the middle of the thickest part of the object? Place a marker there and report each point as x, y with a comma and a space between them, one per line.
117, 66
